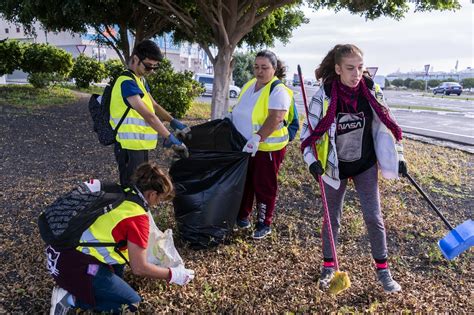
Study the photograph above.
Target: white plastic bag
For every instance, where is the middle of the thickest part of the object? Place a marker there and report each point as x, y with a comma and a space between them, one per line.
161, 250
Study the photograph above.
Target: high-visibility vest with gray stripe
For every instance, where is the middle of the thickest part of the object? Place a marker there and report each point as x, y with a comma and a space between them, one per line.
134, 133
101, 232
279, 138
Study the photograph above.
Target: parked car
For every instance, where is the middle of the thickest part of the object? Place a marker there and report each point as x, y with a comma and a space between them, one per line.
296, 80
448, 88
207, 81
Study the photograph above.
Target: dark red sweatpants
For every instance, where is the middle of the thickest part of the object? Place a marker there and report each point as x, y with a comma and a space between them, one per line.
261, 184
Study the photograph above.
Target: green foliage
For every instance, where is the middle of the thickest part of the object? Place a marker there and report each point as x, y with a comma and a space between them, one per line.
11, 54
47, 59
80, 16
87, 70
433, 83
450, 80
387, 83
467, 83
407, 82
395, 9
173, 90
417, 85
243, 68
114, 68
397, 82
278, 25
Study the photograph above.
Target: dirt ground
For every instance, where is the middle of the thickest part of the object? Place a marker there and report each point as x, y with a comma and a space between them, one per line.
45, 152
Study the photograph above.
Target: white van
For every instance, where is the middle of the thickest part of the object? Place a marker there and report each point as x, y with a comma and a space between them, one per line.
208, 79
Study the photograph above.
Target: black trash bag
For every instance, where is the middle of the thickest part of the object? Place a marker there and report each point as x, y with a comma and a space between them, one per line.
215, 135
209, 184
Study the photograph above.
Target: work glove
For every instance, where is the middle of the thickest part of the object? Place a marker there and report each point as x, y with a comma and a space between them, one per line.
316, 169
181, 130
402, 164
176, 145
252, 145
181, 275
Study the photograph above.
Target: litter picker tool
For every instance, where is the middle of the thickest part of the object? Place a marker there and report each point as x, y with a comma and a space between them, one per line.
341, 280
459, 239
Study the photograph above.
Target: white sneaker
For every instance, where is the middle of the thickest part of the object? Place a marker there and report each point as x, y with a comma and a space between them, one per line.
385, 278
59, 303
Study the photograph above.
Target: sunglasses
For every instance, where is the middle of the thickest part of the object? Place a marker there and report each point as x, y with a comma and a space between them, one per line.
148, 67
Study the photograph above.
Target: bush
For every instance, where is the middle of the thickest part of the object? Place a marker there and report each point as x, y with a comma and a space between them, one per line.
243, 68
174, 91
11, 54
114, 68
407, 82
47, 59
45, 64
87, 70
467, 83
417, 85
397, 82
433, 83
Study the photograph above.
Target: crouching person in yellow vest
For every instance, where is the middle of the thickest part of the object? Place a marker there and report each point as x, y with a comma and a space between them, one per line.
261, 116
90, 278
139, 130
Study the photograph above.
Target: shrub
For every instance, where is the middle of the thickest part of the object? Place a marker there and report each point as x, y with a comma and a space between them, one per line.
114, 68
174, 91
467, 83
87, 70
243, 68
45, 64
11, 54
417, 85
397, 82
433, 83
407, 82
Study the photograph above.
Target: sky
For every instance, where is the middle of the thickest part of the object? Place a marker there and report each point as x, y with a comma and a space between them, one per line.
435, 38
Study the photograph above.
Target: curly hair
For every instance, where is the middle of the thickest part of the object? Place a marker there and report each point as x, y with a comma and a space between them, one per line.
148, 176
326, 70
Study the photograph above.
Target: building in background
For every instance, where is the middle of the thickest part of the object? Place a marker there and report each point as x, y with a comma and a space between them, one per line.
436, 75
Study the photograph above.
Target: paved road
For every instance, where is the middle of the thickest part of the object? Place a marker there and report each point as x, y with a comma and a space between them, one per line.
457, 125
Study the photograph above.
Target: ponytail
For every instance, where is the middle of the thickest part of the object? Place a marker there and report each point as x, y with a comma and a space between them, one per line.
326, 70
148, 176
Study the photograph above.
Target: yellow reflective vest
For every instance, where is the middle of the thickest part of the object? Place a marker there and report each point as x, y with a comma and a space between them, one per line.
279, 138
101, 232
134, 133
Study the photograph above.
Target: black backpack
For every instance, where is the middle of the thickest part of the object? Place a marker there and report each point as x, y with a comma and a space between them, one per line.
293, 123
62, 223
100, 113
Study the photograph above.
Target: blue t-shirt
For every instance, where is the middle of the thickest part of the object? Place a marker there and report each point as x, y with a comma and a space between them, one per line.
130, 88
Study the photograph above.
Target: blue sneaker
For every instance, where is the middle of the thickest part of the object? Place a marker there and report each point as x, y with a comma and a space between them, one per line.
243, 223
261, 231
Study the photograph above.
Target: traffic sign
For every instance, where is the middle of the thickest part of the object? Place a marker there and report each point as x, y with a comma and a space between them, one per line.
81, 48
427, 69
372, 71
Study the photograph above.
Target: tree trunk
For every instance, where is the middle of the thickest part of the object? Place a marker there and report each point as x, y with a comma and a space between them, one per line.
220, 88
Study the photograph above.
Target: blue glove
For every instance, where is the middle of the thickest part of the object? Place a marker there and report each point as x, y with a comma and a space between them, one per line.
178, 147
177, 125
181, 130
170, 141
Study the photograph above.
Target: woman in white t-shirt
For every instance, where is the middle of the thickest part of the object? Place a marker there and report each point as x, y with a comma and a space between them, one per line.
261, 116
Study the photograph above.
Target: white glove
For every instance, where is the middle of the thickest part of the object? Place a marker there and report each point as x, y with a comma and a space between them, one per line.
252, 145
181, 275
183, 134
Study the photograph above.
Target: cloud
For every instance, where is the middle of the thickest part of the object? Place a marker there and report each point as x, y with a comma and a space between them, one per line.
438, 38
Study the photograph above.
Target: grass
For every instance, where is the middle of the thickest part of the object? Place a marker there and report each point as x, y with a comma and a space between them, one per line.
199, 110
455, 97
422, 108
27, 96
92, 89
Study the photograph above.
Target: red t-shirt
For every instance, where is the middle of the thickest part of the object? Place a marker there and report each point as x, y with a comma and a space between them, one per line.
134, 229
